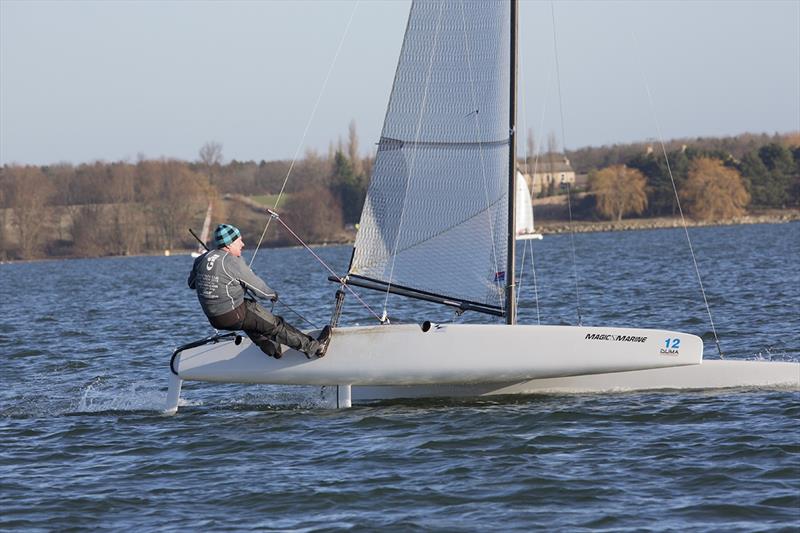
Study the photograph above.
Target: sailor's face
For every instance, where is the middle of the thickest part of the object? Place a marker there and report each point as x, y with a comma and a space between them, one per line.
235, 248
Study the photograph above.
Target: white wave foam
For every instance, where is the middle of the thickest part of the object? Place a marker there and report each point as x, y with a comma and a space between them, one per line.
99, 396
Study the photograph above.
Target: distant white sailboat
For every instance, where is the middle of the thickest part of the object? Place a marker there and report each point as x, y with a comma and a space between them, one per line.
438, 225
204, 233
524, 215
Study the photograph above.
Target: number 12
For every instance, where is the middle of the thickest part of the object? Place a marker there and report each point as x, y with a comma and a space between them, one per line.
676, 343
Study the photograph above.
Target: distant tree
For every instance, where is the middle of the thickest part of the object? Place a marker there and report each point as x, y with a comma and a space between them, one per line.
125, 219
311, 171
174, 195
794, 189
350, 188
211, 158
782, 171
90, 232
314, 214
756, 178
530, 156
28, 191
352, 149
619, 190
713, 191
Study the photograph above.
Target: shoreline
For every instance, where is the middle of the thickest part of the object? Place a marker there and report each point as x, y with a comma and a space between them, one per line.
547, 227
554, 227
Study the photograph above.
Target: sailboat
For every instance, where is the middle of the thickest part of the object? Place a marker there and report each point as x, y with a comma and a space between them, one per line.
524, 214
438, 225
204, 233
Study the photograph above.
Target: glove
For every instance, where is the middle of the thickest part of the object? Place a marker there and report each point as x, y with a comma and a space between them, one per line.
274, 298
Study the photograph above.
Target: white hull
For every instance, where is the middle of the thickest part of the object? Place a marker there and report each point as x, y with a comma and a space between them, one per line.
711, 374
529, 236
443, 355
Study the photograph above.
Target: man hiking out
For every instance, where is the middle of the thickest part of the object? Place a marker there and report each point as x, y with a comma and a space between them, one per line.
221, 277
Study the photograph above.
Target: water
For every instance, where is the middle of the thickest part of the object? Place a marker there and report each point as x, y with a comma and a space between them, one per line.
85, 346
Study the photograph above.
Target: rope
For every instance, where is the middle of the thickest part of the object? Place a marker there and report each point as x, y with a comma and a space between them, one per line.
308, 126
678, 202
277, 217
307, 321
569, 189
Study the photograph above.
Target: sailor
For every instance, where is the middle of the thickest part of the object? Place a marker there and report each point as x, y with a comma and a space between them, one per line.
221, 278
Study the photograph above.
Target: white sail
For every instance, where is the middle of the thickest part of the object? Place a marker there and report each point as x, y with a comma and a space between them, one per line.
435, 216
524, 214
204, 232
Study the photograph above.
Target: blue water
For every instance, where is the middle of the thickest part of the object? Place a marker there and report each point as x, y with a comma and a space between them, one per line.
85, 346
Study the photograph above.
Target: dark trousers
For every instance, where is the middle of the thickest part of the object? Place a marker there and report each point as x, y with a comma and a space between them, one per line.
266, 330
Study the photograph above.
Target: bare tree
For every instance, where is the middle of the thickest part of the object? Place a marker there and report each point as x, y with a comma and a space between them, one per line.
352, 149
29, 191
126, 234
315, 214
211, 158
174, 194
714, 191
531, 147
619, 190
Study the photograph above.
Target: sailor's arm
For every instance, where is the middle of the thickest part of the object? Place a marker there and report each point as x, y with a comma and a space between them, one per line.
239, 270
192, 279
193, 274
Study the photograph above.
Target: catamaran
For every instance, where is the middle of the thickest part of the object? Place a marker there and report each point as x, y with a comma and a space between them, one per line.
438, 225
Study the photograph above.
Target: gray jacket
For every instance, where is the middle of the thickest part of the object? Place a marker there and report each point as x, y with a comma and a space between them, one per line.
220, 280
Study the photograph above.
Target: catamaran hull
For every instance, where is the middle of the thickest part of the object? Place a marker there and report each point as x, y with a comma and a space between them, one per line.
711, 374
441, 355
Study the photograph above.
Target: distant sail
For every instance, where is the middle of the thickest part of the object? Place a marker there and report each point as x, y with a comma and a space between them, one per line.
204, 232
435, 218
524, 214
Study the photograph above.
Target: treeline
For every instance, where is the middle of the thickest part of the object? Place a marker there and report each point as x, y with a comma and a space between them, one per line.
124, 208
711, 181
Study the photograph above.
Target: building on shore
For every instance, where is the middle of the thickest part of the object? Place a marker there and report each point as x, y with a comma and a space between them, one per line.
550, 175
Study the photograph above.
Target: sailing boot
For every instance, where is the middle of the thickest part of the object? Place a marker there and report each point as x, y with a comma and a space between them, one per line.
317, 347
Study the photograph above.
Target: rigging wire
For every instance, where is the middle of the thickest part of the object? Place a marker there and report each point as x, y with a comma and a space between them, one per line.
277, 217
287, 306
677, 200
308, 126
536, 154
569, 190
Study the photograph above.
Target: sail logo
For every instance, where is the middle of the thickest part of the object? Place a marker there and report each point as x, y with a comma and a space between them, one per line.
671, 347
610, 337
500, 276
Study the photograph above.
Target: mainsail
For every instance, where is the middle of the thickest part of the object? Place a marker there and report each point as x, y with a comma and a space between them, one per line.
435, 220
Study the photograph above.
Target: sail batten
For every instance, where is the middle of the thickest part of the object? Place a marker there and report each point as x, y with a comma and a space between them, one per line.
435, 217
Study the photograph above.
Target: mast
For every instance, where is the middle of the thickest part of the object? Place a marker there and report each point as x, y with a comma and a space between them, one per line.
511, 304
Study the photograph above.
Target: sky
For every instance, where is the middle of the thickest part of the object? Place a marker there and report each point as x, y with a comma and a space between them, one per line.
82, 81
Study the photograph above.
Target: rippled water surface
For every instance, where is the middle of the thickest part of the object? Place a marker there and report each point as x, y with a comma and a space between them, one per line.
85, 347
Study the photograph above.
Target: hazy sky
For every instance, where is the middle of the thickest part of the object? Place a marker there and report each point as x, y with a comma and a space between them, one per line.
81, 81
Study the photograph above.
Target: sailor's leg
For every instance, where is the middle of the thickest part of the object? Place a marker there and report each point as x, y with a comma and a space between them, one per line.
267, 345
262, 321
